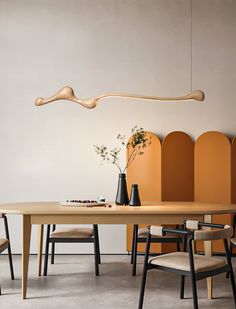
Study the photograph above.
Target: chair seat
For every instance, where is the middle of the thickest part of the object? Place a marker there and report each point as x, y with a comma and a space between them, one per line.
3, 244
73, 233
180, 261
144, 231
233, 241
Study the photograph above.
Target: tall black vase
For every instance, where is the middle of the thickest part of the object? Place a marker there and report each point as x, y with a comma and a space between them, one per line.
122, 194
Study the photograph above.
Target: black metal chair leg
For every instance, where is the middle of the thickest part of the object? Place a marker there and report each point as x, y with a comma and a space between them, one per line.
135, 250
45, 271
194, 291
9, 247
230, 253
0, 290
182, 278
96, 256
231, 272
53, 246
132, 250
193, 280
10, 262
233, 285
182, 283
98, 245
144, 276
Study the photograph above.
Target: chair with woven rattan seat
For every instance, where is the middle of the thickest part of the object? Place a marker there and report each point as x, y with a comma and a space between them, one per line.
72, 235
140, 235
5, 244
188, 264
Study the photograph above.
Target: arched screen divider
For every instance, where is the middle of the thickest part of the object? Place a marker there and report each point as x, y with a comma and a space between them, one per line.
179, 169
146, 172
213, 174
233, 173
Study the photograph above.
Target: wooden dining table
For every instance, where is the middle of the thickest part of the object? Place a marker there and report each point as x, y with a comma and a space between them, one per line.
163, 213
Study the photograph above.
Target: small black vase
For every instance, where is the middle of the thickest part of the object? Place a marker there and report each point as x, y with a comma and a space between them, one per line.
122, 194
134, 197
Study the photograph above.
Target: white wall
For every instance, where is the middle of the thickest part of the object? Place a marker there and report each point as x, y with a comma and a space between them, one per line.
137, 46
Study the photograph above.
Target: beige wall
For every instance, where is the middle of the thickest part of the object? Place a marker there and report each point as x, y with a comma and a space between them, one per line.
98, 46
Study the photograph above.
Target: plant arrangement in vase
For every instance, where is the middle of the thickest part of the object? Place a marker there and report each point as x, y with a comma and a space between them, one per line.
134, 147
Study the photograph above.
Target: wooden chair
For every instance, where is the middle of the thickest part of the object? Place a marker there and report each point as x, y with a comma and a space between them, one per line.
140, 236
195, 266
5, 244
72, 235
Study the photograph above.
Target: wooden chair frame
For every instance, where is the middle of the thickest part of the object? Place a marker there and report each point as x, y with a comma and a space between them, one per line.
188, 236
54, 240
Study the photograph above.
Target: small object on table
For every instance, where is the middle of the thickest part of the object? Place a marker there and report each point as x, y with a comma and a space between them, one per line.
101, 199
84, 203
134, 198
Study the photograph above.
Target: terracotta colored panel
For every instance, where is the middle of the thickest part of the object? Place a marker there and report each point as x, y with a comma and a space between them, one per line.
177, 171
233, 171
146, 172
213, 174
178, 167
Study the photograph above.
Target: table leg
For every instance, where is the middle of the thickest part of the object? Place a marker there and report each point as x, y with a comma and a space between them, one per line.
25, 252
40, 247
208, 251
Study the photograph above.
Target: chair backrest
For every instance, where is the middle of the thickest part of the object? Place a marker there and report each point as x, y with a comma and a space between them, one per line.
216, 234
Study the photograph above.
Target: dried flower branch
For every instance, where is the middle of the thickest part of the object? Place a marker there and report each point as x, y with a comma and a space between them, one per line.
136, 145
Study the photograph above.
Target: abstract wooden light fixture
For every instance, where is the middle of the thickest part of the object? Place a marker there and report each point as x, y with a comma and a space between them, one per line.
67, 93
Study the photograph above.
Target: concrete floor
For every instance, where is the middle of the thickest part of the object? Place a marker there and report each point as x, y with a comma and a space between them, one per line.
71, 284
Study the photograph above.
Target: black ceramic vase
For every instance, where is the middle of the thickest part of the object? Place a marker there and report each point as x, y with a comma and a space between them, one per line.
122, 194
134, 197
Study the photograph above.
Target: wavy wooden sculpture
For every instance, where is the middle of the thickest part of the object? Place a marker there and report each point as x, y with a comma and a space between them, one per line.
67, 93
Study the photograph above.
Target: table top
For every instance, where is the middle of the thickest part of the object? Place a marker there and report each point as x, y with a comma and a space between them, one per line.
161, 208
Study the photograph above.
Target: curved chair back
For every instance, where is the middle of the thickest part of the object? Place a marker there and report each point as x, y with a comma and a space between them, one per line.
225, 233
221, 231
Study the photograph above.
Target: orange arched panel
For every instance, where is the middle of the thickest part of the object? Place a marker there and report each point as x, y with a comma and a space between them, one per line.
213, 173
146, 172
178, 167
177, 171
233, 171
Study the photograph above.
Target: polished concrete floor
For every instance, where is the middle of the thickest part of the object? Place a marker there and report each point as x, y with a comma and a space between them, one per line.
71, 284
